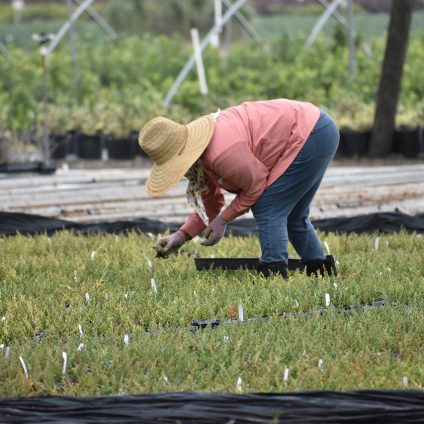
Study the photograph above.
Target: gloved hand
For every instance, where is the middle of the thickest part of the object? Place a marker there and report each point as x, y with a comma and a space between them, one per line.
172, 243
214, 231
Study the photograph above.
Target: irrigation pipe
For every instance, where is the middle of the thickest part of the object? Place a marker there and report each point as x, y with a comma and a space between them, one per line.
204, 43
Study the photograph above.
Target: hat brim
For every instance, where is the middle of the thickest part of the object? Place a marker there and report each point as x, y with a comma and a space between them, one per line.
165, 176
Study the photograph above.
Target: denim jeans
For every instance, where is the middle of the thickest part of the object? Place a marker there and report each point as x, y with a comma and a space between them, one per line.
282, 212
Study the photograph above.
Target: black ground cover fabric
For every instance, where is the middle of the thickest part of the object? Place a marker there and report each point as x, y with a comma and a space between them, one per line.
14, 223
304, 407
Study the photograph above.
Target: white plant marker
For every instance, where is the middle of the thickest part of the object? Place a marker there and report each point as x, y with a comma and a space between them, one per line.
335, 285
376, 243
87, 298
327, 248
165, 378
80, 330
2, 346
286, 375
93, 255
226, 338
240, 313
3, 319
296, 303
321, 364
126, 340
116, 238
405, 380
126, 295
389, 270
194, 293
7, 352
150, 235
24, 366
80, 347
153, 284
76, 276
65, 362
327, 299
212, 256
239, 384
149, 264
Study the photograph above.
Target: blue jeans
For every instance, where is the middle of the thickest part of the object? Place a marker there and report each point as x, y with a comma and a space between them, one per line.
282, 212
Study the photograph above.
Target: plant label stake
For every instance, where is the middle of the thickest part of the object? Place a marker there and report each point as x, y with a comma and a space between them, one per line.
93, 255
116, 238
126, 295
150, 235
165, 379
80, 347
240, 313
321, 364
376, 243
126, 340
65, 362
87, 298
296, 303
23, 366
405, 380
3, 319
149, 264
80, 330
76, 276
226, 338
286, 375
7, 352
239, 384
327, 248
2, 346
335, 285
327, 299
153, 284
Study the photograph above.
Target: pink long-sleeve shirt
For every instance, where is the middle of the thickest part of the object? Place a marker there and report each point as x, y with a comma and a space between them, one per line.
252, 146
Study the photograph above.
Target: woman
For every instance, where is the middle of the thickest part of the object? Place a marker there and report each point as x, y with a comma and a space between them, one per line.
272, 154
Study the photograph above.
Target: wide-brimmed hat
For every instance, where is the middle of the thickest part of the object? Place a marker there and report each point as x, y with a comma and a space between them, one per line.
173, 148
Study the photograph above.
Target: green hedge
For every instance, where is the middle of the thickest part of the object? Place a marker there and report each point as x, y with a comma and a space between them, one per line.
122, 85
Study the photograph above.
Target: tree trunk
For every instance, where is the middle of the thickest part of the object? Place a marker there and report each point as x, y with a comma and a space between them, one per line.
391, 77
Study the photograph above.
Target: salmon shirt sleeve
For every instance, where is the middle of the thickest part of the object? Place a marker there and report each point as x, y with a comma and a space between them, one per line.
213, 201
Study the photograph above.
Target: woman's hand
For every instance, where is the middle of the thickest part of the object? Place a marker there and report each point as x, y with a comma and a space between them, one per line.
214, 231
170, 244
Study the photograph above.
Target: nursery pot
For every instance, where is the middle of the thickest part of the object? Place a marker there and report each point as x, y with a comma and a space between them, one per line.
121, 148
355, 143
407, 141
59, 145
89, 146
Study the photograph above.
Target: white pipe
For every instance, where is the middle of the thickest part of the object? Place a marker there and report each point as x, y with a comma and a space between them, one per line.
199, 61
322, 21
204, 43
66, 27
101, 21
218, 17
246, 25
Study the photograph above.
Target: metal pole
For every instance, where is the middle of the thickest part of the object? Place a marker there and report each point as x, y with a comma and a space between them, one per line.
351, 34
204, 43
218, 16
74, 58
101, 21
322, 21
45, 146
67, 25
246, 25
199, 61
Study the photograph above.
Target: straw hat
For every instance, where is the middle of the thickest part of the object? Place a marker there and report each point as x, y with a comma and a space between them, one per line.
174, 148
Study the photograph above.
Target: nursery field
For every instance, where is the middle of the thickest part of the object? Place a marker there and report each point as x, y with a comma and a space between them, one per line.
93, 298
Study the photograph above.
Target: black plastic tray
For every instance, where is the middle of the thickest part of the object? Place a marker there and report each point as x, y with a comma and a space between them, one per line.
232, 264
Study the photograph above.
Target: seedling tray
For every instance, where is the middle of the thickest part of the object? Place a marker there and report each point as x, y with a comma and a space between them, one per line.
233, 264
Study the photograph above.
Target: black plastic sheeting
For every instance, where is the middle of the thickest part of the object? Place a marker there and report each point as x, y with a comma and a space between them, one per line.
14, 223
400, 406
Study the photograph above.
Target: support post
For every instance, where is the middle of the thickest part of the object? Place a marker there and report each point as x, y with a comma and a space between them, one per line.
199, 61
322, 21
74, 58
204, 43
218, 17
